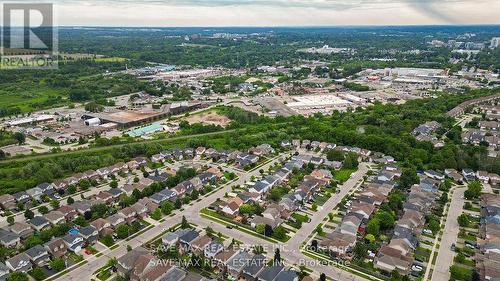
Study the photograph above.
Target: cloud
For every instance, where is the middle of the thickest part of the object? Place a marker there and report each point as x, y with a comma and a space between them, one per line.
279, 12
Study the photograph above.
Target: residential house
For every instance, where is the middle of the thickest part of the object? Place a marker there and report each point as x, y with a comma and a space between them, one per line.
38, 255
90, 234
19, 263
128, 213
22, 229
100, 224
141, 210
7, 201
69, 212
232, 207
269, 273
199, 244
55, 217
105, 197
35, 193
74, 243
8, 239
389, 259
172, 238
238, 262
81, 207
212, 249
56, 248
186, 240
39, 223
116, 219
21, 197
254, 267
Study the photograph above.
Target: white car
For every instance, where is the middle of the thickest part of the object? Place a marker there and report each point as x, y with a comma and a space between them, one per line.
417, 268
427, 231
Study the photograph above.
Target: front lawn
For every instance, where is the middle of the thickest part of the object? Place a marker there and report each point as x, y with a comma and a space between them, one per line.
343, 175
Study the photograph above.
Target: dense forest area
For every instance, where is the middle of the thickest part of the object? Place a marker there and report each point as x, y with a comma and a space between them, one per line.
384, 128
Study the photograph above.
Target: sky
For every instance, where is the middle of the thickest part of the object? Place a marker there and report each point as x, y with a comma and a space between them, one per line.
168, 13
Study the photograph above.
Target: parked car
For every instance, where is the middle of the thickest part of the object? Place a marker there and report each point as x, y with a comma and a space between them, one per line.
453, 247
427, 231
417, 268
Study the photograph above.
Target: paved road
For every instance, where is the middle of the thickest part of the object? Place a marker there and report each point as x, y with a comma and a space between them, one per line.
85, 271
450, 235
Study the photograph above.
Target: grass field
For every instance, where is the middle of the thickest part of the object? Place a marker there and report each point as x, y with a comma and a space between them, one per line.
343, 174
30, 96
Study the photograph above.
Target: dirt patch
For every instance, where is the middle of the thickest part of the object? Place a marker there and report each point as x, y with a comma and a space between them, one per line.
210, 118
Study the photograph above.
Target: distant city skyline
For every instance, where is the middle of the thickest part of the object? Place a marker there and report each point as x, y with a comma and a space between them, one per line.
218, 13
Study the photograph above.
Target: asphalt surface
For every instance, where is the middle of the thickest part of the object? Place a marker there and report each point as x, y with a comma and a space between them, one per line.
450, 236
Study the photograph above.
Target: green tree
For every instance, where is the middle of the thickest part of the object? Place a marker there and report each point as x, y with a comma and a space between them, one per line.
43, 210
70, 201
28, 214
54, 204
360, 251
167, 208
122, 231
113, 184
473, 190
385, 219
373, 227
335, 155
38, 274
156, 215
260, 228
463, 220
19, 137
408, 178
58, 264
17, 276
107, 240
185, 223
279, 233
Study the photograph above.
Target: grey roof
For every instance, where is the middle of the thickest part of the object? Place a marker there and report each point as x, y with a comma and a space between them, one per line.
158, 197
240, 260
260, 185
190, 236
286, 275
38, 221
7, 236
191, 276
88, 230
35, 251
214, 247
15, 260
255, 265
171, 236
269, 273
115, 191
174, 274
129, 258
70, 238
